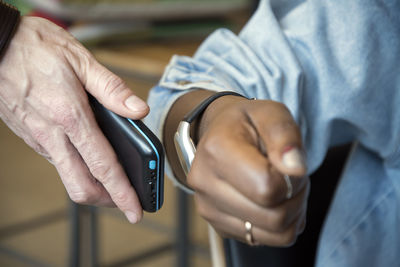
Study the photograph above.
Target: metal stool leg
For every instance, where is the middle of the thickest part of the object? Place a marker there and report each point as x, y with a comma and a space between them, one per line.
83, 244
182, 231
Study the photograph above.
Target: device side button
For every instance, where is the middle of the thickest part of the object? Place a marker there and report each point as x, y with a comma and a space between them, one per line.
152, 164
152, 186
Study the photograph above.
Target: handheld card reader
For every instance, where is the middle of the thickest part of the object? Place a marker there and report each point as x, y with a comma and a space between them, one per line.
139, 151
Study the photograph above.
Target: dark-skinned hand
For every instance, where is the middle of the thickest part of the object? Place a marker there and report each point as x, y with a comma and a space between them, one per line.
245, 148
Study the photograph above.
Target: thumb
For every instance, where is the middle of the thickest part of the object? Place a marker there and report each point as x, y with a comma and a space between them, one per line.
110, 90
283, 142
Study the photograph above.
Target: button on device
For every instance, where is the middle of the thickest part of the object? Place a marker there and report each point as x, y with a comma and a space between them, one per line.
152, 164
152, 187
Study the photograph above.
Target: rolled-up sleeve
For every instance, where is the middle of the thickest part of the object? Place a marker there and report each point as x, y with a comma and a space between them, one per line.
333, 76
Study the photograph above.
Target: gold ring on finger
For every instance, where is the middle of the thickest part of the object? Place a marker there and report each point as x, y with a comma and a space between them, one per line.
249, 233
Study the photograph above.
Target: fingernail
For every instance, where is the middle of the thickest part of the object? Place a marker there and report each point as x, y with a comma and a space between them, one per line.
293, 159
131, 216
135, 104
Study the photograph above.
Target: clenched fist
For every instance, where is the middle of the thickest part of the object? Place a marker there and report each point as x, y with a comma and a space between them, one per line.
245, 150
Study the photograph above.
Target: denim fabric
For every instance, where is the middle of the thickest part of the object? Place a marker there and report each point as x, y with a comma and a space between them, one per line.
336, 65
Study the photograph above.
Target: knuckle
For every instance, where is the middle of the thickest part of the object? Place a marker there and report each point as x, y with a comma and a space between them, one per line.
262, 195
279, 105
278, 222
265, 193
101, 171
223, 233
206, 215
82, 197
212, 145
81, 58
284, 128
114, 85
66, 116
288, 238
41, 136
192, 181
202, 209
120, 198
195, 178
276, 106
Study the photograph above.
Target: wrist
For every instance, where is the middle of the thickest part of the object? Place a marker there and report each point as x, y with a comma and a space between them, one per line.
184, 137
214, 110
9, 18
182, 106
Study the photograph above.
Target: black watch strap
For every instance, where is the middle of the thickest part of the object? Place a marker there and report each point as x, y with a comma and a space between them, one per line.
190, 117
9, 17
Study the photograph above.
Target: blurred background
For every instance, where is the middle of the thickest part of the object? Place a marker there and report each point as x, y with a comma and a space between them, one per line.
39, 225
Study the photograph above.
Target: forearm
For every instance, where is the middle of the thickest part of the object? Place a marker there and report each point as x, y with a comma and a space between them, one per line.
9, 17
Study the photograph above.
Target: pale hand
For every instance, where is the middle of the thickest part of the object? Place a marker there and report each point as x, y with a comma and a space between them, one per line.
43, 77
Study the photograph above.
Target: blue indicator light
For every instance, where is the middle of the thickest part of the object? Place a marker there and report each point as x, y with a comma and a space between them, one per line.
152, 164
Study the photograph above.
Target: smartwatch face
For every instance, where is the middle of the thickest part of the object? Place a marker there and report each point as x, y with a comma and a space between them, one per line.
184, 146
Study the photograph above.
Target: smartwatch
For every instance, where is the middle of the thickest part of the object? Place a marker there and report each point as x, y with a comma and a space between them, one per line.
184, 144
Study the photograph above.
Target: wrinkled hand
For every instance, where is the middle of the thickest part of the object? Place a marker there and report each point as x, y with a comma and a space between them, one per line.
245, 147
43, 77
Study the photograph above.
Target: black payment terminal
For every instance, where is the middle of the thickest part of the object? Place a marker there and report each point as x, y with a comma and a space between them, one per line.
139, 151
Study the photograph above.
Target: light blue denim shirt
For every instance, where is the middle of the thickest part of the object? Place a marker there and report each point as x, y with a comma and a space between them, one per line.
336, 65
